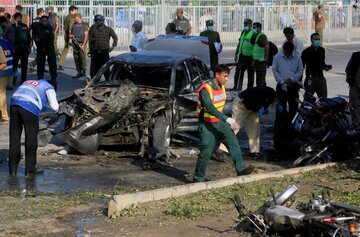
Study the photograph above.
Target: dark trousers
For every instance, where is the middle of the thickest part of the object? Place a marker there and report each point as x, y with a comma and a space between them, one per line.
288, 97
98, 59
41, 58
79, 59
316, 85
214, 60
23, 56
245, 63
260, 69
20, 117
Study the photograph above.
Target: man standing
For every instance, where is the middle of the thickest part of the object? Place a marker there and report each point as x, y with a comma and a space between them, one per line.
213, 38
25, 18
246, 109
22, 46
313, 59
36, 21
290, 36
26, 104
43, 36
353, 78
244, 56
6, 71
260, 54
214, 126
139, 41
68, 24
288, 69
183, 25
54, 22
320, 22
80, 36
99, 41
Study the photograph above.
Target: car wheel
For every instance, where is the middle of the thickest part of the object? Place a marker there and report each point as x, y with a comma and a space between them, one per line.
161, 136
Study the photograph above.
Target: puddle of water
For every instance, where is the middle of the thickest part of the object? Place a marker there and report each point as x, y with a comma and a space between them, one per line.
81, 224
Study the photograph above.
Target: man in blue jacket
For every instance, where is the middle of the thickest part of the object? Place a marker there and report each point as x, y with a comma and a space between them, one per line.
26, 103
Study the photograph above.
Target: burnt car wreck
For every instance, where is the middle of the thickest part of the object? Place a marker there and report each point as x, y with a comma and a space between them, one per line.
151, 95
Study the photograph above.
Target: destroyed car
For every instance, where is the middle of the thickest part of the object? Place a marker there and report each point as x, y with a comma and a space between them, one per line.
150, 96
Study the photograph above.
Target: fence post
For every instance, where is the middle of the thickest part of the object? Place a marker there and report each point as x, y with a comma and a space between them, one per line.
329, 24
349, 23
266, 19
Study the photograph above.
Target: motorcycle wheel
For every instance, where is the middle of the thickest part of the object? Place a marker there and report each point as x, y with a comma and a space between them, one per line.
310, 159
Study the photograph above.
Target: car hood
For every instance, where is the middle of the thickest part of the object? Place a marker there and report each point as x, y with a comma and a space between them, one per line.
193, 45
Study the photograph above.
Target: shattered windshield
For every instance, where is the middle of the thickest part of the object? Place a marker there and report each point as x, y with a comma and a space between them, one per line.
144, 75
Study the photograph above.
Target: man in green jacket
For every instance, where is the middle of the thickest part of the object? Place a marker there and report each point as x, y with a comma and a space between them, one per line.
260, 54
214, 126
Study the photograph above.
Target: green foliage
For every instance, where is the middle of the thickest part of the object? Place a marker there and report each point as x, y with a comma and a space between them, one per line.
126, 212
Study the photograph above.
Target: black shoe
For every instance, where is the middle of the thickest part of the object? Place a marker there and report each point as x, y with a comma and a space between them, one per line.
60, 68
77, 76
246, 171
12, 173
33, 173
219, 157
46, 70
255, 156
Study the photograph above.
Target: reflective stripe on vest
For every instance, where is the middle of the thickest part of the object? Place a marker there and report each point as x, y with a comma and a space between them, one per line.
8, 51
36, 101
258, 52
218, 98
246, 47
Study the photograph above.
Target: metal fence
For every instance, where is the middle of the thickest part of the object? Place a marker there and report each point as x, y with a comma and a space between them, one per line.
342, 23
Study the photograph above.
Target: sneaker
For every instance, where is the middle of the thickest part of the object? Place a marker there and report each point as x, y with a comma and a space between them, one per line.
246, 171
219, 157
37, 171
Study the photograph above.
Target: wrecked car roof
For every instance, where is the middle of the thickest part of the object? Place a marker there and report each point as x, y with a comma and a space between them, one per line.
151, 57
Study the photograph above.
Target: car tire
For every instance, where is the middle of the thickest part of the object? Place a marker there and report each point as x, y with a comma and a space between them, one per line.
161, 136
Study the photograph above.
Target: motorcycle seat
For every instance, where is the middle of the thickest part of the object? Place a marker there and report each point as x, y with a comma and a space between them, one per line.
336, 104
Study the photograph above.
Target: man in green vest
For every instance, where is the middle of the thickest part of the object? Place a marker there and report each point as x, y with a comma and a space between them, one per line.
68, 24
260, 54
244, 56
213, 37
214, 126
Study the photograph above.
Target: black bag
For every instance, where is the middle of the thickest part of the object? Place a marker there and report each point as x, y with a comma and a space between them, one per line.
273, 50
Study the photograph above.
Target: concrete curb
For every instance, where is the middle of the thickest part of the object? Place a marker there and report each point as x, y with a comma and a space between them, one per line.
120, 202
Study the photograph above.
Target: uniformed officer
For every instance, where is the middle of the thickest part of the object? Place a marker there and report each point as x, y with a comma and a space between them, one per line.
80, 31
43, 36
99, 40
22, 46
40, 12
25, 18
214, 126
68, 24
54, 22
213, 37
6, 71
244, 56
26, 103
260, 54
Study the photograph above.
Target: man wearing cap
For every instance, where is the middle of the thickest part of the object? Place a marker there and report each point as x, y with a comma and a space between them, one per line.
43, 36
182, 24
99, 40
244, 56
54, 22
80, 32
36, 21
213, 37
25, 18
260, 54
68, 24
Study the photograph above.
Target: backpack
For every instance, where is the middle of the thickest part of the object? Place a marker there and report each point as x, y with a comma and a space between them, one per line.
273, 50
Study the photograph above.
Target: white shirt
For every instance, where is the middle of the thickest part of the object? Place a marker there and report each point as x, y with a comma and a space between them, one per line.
298, 44
51, 96
139, 41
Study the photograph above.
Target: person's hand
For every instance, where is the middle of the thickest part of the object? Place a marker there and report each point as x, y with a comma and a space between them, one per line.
288, 82
132, 48
83, 46
111, 49
231, 121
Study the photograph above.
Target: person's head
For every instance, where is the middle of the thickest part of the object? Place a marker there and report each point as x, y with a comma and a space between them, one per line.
8, 17
99, 19
210, 25
40, 12
44, 20
170, 28
288, 48
180, 13
247, 24
321, 7
3, 22
2, 11
221, 72
73, 9
77, 17
136, 26
315, 40
50, 10
18, 8
18, 17
289, 33
256, 27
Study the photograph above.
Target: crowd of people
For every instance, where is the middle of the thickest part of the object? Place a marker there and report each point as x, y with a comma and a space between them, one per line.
254, 54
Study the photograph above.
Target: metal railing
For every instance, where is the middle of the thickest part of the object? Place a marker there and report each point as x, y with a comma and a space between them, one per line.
342, 23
